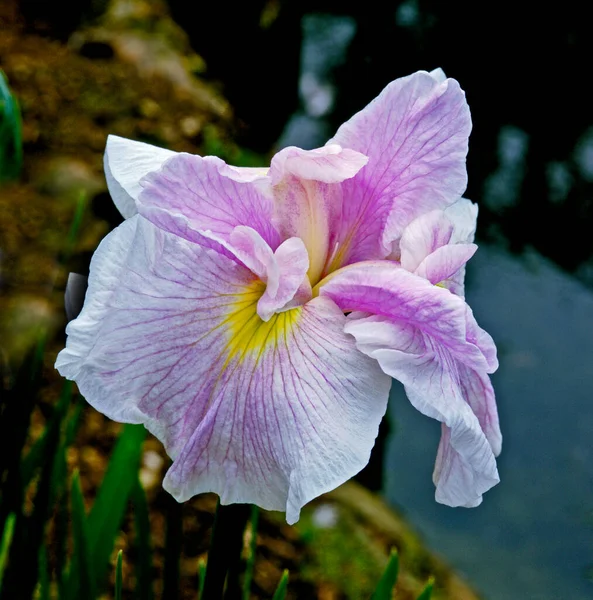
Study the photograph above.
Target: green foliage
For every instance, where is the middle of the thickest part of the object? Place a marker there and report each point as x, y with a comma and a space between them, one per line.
118, 576
427, 591
282, 588
388, 580
11, 151
250, 564
5, 543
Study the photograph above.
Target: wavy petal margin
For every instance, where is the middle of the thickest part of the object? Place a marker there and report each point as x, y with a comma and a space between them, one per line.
415, 134
269, 413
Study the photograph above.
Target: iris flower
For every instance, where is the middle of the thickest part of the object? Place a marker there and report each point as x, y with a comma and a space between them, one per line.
252, 319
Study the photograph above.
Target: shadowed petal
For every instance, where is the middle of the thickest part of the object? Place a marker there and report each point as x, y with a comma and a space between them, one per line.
126, 162
415, 134
191, 194
271, 413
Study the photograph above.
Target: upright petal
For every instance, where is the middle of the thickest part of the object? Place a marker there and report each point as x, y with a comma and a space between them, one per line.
126, 163
269, 413
415, 134
191, 195
308, 197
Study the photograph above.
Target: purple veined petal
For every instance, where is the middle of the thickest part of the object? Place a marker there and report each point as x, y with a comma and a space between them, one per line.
441, 388
438, 75
284, 271
308, 197
191, 194
386, 289
415, 134
444, 263
269, 413
126, 162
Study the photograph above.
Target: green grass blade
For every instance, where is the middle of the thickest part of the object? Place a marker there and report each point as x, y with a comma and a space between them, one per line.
112, 498
5, 543
280, 593
142, 544
44, 580
427, 591
11, 144
201, 576
82, 580
250, 566
173, 547
119, 576
384, 590
38, 453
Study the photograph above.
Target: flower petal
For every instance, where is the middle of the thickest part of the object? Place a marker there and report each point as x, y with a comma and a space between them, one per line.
191, 195
126, 162
465, 467
308, 197
444, 263
415, 134
384, 288
268, 413
423, 236
463, 214
283, 272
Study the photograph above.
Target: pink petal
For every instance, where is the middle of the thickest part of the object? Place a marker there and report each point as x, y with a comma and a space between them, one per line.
445, 262
423, 236
308, 197
268, 413
190, 195
441, 388
415, 134
330, 164
383, 288
283, 272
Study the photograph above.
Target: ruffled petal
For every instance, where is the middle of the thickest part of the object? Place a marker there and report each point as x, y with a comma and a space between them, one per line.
438, 386
126, 162
437, 245
444, 263
415, 134
191, 195
269, 413
283, 272
423, 236
384, 288
308, 197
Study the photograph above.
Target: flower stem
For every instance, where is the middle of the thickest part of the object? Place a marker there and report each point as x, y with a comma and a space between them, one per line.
225, 547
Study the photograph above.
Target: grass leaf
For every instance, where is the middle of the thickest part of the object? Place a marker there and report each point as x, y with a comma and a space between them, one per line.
280, 593
82, 580
110, 504
249, 567
5, 543
384, 590
427, 591
142, 543
119, 576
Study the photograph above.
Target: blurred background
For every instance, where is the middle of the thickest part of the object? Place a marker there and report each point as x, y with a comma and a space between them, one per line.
242, 81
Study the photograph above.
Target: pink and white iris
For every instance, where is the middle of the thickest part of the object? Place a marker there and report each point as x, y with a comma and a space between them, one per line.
252, 319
